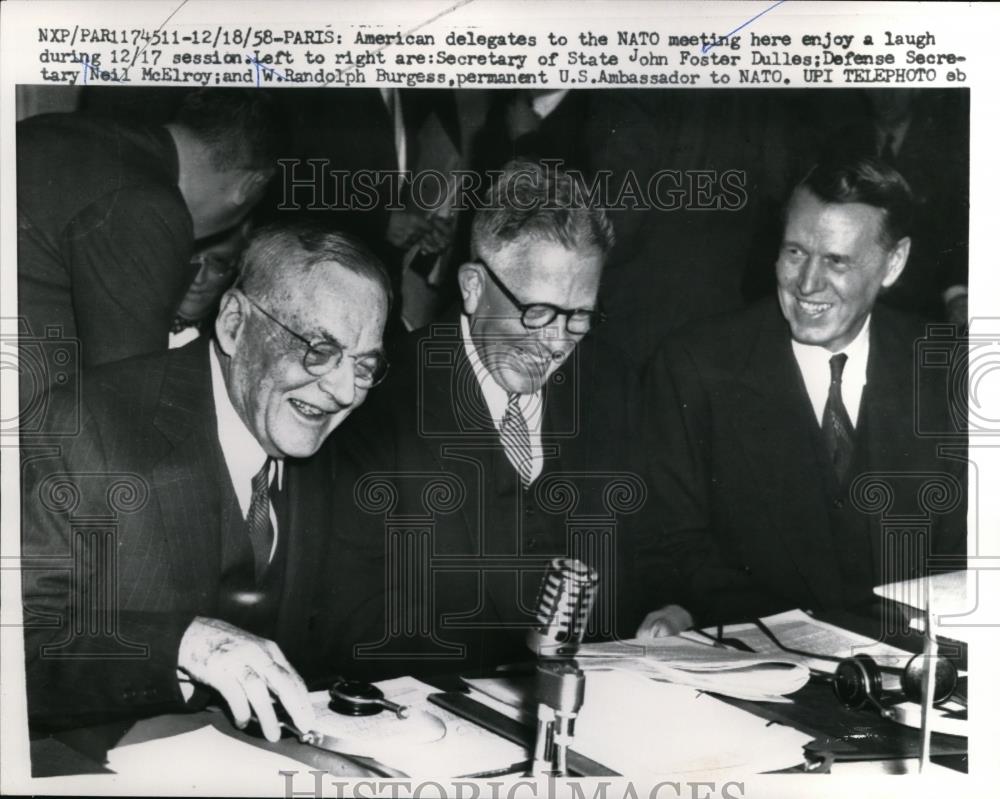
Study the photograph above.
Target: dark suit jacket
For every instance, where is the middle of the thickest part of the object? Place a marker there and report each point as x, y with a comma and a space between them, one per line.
441, 513
739, 473
104, 237
124, 523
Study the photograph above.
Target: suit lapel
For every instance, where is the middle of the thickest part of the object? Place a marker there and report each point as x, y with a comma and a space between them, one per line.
888, 433
453, 407
456, 409
186, 477
775, 427
309, 485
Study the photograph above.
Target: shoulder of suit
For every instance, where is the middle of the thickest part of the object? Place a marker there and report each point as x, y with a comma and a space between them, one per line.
725, 337
906, 327
123, 388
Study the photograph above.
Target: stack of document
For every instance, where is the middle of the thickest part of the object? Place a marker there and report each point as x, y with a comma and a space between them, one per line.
644, 728
742, 675
828, 644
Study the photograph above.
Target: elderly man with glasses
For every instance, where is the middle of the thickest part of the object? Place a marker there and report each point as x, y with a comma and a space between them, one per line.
176, 538
502, 427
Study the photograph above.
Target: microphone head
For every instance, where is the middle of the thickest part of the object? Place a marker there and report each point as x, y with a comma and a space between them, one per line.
564, 603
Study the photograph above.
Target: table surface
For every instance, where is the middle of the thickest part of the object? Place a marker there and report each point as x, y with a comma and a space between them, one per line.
853, 735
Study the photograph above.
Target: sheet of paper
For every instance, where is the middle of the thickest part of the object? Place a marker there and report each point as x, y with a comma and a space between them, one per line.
951, 601
465, 749
154, 766
797, 630
641, 727
680, 652
744, 675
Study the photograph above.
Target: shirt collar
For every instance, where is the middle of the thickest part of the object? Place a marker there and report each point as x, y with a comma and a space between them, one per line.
856, 351
242, 452
814, 364
494, 394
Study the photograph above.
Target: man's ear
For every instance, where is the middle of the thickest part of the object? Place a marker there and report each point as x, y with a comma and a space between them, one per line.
230, 321
471, 282
250, 185
897, 261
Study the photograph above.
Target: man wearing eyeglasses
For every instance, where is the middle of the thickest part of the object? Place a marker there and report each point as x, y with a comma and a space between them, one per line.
206, 468
500, 428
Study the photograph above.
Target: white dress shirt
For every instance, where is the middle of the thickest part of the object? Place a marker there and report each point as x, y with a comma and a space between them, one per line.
496, 401
814, 364
243, 454
544, 103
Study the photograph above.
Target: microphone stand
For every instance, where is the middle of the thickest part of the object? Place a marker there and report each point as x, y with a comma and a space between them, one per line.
559, 690
565, 600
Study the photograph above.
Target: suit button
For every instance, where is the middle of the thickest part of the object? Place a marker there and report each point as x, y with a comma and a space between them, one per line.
150, 693
838, 504
128, 695
747, 570
529, 510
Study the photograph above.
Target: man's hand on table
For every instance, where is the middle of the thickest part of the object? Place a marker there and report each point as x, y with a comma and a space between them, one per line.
666, 621
246, 670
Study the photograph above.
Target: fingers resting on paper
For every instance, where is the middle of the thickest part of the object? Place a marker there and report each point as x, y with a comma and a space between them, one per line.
246, 670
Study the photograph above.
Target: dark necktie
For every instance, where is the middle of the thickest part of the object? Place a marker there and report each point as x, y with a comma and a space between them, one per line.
515, 439
838, 432
259, 521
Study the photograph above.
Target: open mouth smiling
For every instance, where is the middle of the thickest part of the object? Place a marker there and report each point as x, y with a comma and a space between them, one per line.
813, 308
309, 411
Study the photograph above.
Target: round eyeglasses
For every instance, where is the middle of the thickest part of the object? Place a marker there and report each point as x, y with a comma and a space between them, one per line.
323, 355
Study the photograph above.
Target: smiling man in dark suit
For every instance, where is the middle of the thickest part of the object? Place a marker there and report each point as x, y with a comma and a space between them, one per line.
500, 441
784, 440
205, 472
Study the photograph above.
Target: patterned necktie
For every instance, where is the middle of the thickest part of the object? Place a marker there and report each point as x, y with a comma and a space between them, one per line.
515, 439
838, 432
259, 521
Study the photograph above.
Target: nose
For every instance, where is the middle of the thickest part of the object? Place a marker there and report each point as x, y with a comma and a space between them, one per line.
556, 340
811, 277
338, 383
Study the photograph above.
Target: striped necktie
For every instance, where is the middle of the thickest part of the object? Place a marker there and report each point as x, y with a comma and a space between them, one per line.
838, 432
515, 439
259, 527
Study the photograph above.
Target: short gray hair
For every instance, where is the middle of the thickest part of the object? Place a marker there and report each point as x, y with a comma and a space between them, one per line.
532, 201
272, 248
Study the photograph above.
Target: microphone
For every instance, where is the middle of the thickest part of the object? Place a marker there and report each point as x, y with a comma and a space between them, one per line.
564, 603
565, 600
